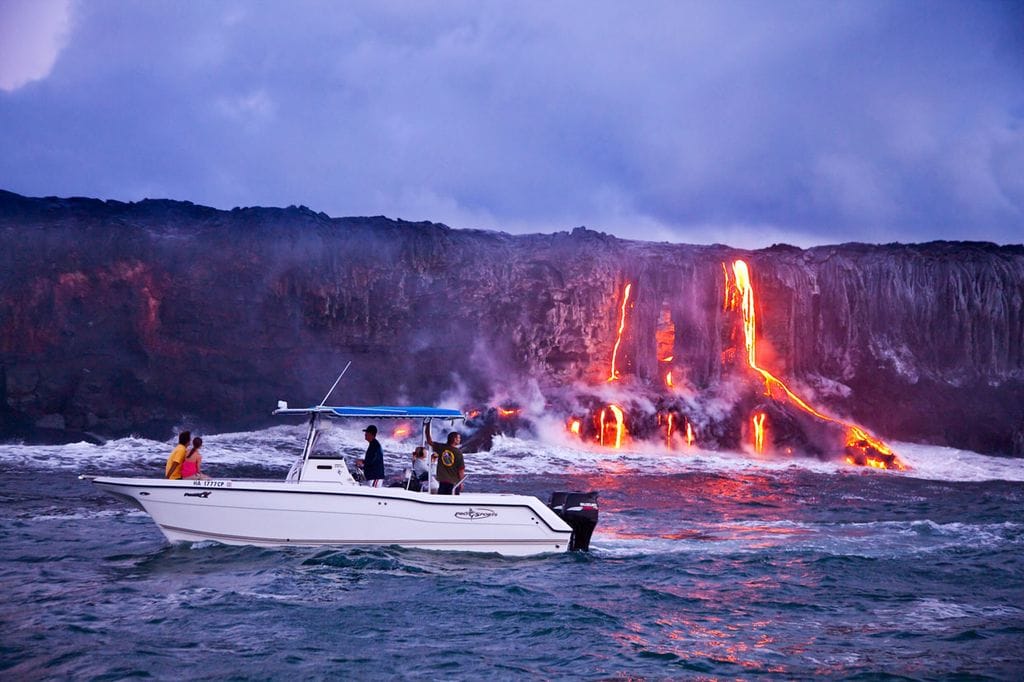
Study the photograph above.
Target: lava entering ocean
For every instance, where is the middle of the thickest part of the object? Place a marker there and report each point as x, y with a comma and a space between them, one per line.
862, 448
750, 408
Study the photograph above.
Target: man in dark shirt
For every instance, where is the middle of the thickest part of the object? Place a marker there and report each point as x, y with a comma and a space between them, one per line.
451, 468
373, 460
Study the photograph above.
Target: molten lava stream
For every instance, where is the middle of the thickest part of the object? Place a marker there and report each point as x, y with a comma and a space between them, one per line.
614, 374
618, 427
856, 437
758, 422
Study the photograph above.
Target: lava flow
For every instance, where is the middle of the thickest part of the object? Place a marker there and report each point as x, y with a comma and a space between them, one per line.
758, 422
665, 340
616, 427
614, 374
675, 404
862, 448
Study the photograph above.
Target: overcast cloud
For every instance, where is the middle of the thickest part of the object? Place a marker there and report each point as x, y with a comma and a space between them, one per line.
745, 123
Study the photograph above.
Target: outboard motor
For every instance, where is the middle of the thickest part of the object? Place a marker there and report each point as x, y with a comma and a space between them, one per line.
579, 510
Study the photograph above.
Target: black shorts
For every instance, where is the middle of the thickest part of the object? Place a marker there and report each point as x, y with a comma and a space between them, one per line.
445, 488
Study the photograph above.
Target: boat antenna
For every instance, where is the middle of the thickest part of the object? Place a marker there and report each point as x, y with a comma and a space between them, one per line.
324, 401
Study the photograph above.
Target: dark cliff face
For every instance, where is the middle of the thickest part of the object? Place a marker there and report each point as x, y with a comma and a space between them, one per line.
118, 318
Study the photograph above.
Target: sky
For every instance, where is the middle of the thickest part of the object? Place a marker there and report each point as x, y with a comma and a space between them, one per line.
734, 122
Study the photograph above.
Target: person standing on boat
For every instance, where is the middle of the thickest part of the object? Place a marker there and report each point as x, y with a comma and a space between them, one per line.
451, 468
172, 469
373, 460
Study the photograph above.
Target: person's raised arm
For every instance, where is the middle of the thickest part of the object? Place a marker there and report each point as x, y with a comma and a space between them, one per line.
426, 432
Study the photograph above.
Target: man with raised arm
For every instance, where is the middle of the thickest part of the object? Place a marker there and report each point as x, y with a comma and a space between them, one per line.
451, 468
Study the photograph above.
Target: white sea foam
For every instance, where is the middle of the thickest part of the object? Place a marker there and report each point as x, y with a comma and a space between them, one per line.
858, 539
86, 514
278, 447
931, 462
934, 614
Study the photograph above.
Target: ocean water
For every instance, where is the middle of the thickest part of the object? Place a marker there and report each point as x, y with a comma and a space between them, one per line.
704, 566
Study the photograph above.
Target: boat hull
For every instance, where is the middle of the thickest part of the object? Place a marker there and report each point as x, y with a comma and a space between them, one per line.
270, 513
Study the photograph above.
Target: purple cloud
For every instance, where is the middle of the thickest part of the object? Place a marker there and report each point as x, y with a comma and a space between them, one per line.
738, 122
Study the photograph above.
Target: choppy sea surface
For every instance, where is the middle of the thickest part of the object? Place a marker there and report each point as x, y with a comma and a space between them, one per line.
704, 566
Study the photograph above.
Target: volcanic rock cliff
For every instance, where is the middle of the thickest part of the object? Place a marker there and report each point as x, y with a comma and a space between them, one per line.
118, 318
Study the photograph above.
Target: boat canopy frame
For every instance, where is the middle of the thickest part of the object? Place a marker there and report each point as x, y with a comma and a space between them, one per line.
427, 414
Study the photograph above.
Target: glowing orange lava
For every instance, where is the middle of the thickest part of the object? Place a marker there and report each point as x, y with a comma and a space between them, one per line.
856, 437
508, 412
758, 422
614, 375
618, 427
665, 341
689, 433
401, 431
574, 426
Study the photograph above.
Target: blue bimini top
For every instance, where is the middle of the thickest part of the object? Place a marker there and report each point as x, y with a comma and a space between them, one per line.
374, 412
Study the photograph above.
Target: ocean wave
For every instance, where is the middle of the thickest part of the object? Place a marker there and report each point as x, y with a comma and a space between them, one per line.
82, 514
935, 463
934, 614
279, 446
871, 539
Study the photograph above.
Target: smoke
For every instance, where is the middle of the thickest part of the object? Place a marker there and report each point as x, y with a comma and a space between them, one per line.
456, 397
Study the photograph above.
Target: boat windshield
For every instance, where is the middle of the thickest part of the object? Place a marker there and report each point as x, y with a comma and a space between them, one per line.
330, 442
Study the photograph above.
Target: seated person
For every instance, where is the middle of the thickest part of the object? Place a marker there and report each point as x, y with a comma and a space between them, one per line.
192, 464
420, 467
172, 469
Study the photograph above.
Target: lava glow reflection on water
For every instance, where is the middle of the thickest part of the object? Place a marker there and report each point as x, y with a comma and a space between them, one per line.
677, 636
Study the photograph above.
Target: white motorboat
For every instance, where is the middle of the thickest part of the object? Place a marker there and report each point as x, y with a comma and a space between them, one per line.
320, 503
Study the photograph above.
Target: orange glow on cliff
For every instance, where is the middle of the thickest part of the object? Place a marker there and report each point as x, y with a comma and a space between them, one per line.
665, 340
689, 433
614, 374
856, 437
726, 304
574, 426
508, 412
401, 431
